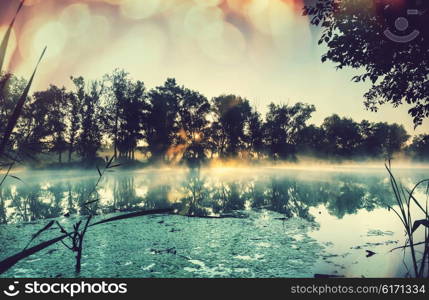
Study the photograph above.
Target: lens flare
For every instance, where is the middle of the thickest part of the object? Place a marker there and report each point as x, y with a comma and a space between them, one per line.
53, 35
76, 18
273, 18
136, 9
142, 49
37, 34
229, 47
208, 2
204, 22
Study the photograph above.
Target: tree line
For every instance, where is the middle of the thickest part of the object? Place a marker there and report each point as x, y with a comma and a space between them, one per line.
174, 123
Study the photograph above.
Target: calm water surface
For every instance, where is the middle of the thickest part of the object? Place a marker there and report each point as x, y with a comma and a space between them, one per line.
284, 222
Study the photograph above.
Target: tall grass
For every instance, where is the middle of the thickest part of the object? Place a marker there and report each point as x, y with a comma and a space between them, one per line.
73, 239
5, 40
13, 118
407, 205
77, 234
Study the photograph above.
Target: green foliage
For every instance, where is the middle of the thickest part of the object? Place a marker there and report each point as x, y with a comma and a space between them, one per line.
232, 114
354, 33
14, 117
341, 135
282, 128
125, 102
46, 126
419, 149
407, 205
256, 134
89, 140
161, 126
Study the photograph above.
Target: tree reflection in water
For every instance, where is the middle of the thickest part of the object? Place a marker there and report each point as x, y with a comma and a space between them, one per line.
198, 194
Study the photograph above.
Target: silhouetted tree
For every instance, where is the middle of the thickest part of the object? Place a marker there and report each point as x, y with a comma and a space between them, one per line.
52, 117
342, 136
160, 124
355, 33
218, 139
131, 118
118, 89
381, 140
56, 120
44, 121
74, 116
176, 123
311, 141
419, 149
282, 127
395, 140
11, 91
256, 134
193, 125
90, 137
232, 114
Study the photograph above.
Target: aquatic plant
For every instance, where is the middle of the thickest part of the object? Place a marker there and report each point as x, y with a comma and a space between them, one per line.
405, 200
77, 234
76, 237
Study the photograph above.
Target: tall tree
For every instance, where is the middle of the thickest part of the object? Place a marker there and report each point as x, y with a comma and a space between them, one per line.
160, 124
420, 147
381, 140
232, 114
396, 139
217, 141
90, 137
131, 110
310, 141
371, 36
74, 116
12, 88
43, 122
193, 124
118, 89
342, 136
282, 127
256, 134
56, 101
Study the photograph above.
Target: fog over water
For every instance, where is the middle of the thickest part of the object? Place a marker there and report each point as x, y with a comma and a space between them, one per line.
341, 210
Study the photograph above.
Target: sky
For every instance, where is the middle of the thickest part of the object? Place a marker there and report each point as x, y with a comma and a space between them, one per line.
264, 50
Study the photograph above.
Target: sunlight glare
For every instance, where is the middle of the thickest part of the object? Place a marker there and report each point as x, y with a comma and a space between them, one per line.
208, 2
76, 19
141, 49
53, 35
226, 48
136, 9
275, 18
204, 22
